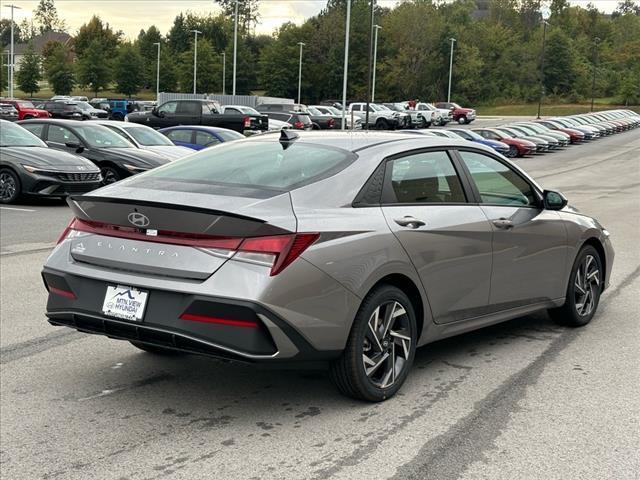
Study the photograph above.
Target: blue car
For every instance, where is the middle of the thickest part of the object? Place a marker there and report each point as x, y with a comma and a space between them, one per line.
198, 137
474, 137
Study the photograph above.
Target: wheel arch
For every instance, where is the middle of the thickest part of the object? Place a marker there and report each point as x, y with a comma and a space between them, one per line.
597, 244
412, 291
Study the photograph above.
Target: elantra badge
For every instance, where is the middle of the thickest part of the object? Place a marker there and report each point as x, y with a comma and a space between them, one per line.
138, 219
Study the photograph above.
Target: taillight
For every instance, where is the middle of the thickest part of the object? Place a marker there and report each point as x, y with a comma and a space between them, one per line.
278, 251
299, 125
66, 231
247, 122
332, 122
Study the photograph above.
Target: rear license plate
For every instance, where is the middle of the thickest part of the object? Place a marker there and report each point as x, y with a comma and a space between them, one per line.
123, 302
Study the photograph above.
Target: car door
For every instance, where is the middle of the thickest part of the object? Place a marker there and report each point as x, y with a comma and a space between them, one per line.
205, 139
529, 243
58, 137
188, 113
447, 238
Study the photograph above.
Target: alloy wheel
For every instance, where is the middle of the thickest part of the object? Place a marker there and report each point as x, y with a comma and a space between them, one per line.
8, 186
513, 151
109, 176
586, 286
387, 344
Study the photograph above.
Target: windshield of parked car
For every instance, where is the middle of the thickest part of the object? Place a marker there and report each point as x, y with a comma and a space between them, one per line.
315, 111
257, 164
147, 136
12, 135
26, 105
98, 136
471, 134
84, 106
510, 132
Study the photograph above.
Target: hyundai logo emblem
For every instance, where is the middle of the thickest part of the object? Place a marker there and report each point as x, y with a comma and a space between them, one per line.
138, 219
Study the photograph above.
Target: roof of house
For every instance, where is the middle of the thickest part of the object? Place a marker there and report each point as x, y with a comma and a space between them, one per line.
39, 41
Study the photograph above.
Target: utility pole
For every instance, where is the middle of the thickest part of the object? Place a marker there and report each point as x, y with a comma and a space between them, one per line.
596, 42
11, 50
366, 120
375, 58
346, 66
235, 47
157, 44
452, 40
544, 41
300, 71
195, 59
224, 72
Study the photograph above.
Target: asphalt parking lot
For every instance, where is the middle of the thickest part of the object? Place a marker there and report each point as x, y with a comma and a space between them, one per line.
521, 400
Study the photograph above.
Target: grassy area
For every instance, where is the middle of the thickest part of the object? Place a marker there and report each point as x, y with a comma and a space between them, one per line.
47, 93
531, 109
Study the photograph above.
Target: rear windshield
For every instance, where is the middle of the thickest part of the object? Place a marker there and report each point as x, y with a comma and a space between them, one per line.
258, 164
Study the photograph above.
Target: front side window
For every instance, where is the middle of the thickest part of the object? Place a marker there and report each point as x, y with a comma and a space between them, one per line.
183, 136
427, 177
62, 135
169, 107
496, 182
206, 139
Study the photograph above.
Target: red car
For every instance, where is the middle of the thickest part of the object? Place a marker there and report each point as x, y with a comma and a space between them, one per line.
517, 146
576, 136
458, 113
26, 109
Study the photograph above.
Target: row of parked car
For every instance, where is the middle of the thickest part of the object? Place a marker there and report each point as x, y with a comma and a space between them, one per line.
518, 139
55, 157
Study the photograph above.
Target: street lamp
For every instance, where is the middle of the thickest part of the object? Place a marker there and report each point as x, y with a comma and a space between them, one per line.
157, 44
366, 120
11, 61
346, 66
300, 70
375, 57
224, 72
596, 41
195, 58
452, 40
545, 14
235, 47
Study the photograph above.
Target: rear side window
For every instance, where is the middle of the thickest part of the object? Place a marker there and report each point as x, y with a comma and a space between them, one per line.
189, 108
258, 164
180, 136
427, 177
206, 139
35, 128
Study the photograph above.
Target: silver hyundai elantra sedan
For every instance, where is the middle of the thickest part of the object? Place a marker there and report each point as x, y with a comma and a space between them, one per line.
350, 249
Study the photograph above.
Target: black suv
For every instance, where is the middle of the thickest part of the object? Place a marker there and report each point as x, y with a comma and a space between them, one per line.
63, 109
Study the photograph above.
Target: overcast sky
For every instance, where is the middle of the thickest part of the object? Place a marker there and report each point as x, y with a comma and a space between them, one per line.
132, 15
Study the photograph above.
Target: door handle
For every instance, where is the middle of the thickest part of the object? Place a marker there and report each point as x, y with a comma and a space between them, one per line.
503, 223
409, 221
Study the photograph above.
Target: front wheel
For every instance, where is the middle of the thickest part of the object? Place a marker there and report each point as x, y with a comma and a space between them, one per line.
109, 175
462, 120
380, 348
583, 291
513, 151
382, 124
9, 186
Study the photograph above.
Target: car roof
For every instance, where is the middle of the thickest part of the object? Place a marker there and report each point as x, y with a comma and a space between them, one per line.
202, 128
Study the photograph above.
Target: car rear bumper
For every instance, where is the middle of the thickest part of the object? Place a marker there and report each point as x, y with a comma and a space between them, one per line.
76, 302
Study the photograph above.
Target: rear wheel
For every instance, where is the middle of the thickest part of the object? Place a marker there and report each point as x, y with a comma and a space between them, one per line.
513, 151
156, 350
380, 349
382, 124
424, 123
583, 291
9, 186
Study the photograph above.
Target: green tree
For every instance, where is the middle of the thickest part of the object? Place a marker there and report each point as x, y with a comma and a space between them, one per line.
247, 12
3, 79
97, 31
47, 19
128, 70
207, 71
5, 32
168, 72
149, 53
93, 67
560, 63
29, 74
58, 68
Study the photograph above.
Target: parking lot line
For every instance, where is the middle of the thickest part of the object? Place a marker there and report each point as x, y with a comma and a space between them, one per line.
17, 209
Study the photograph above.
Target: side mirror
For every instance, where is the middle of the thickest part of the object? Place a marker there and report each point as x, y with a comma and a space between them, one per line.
154, 112
75, 145
553, 200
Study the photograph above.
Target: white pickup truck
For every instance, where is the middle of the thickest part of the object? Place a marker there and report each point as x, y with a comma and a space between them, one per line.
379, 118
439, 116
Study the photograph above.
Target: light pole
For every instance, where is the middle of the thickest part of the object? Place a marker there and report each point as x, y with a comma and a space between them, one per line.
300, 70
346, 66
195, 59
371, 13
11, 61
375, 58
157, 44
224, 72
235, 47
544, 41
596, 41
452, 40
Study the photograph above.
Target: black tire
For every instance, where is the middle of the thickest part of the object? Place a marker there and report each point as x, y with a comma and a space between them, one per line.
424, 123
10, 186
110, 174
315, 126
382, 124
462, 119
513, 151
348, 372
575, 313
118, 116
157, 350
